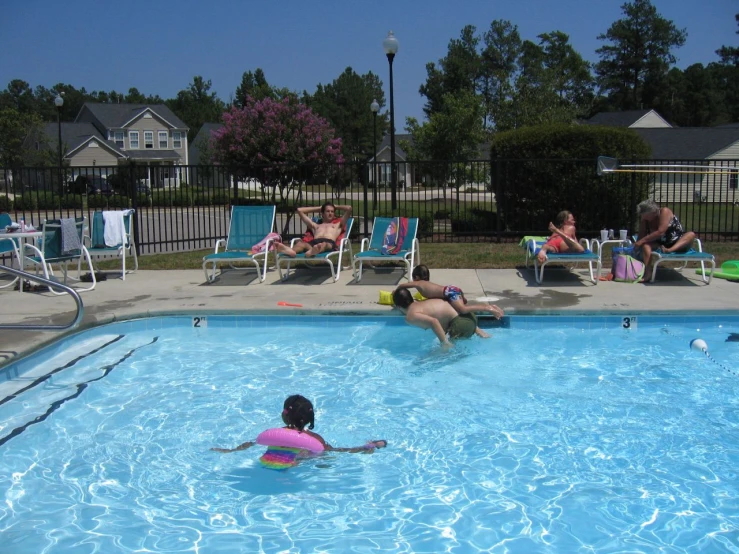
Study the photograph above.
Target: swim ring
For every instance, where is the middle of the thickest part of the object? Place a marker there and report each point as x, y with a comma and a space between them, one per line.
290, 438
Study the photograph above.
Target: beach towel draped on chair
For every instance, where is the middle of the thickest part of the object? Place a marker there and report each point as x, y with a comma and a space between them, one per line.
395, 234
111, 236
409, 254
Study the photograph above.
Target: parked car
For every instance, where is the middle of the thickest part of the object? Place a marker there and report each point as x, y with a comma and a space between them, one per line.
90, 184
143, 189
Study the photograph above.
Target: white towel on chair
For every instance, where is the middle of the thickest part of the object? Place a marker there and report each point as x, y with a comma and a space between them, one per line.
70, 235
115, 230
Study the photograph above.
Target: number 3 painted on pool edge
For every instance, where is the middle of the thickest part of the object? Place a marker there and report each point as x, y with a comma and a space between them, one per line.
629, 323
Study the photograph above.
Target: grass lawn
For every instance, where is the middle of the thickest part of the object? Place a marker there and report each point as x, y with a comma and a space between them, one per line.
434, 255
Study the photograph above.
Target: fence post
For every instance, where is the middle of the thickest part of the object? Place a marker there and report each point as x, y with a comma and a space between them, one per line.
632, 207
136, 214
498, 196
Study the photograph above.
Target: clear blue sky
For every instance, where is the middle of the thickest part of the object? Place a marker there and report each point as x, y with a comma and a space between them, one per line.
158, 46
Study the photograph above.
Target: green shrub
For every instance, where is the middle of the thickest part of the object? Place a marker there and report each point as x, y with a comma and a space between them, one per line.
220, 198
442, 214
161, 198
201, 199
72, 201
47, 200
143, 200
119, 201
475, 222
95, 201
27, 201
553, 171
6, 204
182, 199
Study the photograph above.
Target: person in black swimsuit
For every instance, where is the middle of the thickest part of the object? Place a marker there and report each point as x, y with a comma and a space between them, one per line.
325, 233
659, 228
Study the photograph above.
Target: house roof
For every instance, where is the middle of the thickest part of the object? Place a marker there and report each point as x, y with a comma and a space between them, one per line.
620, 119
116, 116
200, 140
75, 135
688, 143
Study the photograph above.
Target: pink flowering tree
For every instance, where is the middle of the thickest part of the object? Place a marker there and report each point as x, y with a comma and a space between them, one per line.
280, 142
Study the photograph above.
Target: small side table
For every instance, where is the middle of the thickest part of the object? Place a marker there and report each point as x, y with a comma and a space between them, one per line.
597, 246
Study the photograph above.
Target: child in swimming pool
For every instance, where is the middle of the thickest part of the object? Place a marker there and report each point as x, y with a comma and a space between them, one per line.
450, 293
297, 413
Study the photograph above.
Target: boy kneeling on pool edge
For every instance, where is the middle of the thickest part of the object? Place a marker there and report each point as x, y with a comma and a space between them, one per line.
437, 315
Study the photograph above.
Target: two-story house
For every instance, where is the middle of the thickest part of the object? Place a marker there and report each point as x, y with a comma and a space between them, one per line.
104, 136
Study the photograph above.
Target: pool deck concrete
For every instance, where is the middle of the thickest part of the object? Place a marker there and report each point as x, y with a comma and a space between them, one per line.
147, 293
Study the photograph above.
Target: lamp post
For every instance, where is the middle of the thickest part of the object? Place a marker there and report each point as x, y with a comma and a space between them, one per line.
59, 102
374, 107
390, 45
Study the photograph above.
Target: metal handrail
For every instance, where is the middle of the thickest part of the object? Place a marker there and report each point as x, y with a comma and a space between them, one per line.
35, 278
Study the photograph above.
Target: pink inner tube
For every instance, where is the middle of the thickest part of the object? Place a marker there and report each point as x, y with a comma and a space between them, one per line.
290, 438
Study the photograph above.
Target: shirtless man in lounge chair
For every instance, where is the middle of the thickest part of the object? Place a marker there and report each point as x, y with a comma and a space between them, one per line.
437, 315
324, 234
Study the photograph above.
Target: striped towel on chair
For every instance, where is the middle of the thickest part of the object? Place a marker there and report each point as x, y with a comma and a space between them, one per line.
70, 235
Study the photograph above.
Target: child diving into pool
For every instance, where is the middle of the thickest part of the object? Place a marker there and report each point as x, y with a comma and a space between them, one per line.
454, 295
287, 445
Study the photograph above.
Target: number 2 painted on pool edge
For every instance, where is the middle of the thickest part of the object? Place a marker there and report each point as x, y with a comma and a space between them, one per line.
629, 323
200, 322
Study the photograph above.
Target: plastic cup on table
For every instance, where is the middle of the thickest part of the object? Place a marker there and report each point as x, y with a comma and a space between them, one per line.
604, 235
623, 234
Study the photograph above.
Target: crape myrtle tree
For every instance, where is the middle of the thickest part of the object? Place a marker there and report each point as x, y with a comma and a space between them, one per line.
283, 143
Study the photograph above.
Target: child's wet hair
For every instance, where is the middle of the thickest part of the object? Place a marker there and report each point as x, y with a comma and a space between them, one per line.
297, 412
421, 273
402, 298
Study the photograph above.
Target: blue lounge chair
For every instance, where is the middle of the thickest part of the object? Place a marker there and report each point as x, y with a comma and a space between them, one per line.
532, 249
50, 249
249, 225
324, 257
8, 246
371, 249
695, 254
98, 248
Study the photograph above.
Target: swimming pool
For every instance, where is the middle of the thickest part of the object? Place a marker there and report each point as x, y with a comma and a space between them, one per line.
557, 434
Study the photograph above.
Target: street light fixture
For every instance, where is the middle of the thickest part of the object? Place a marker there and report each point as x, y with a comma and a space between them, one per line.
59, 102
374, 107
390, 45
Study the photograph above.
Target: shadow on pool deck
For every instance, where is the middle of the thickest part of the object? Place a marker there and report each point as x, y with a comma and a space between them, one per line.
238, 291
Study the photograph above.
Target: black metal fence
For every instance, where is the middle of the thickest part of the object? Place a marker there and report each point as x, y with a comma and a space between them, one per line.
181, 208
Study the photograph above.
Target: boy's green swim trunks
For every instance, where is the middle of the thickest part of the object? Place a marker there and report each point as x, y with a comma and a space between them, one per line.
463, 326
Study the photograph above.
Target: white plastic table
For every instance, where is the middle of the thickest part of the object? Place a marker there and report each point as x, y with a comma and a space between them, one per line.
22, 236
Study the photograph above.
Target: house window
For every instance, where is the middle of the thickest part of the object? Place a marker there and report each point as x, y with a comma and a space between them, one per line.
176, 139
734, 179
148, 139
133, 139
163, 140
119, 139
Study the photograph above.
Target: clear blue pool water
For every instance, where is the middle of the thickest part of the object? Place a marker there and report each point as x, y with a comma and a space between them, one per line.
556, 435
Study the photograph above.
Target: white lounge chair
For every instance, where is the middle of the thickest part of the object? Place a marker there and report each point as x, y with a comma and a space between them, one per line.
324, 257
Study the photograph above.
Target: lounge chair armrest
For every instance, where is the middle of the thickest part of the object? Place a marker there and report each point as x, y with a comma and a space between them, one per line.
293, 241
698, 246
34, 250
595, 247
86, 240
220, 242
585, 243
364, 245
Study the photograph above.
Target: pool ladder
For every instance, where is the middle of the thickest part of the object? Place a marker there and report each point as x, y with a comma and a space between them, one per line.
43, 281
